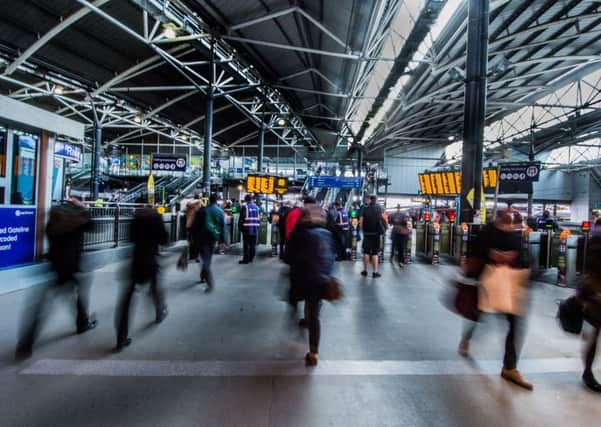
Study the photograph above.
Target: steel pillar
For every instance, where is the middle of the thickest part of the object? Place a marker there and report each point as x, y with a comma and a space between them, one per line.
261, 147
359, 160
96, 155
475, 106
206, 170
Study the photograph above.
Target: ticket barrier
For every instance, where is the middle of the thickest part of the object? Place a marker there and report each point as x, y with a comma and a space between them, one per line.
234, 230
434, 240
263, 229
275, 238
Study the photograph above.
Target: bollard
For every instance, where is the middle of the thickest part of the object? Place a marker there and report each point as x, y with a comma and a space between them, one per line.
409, 246
435, 243
562, 259
464, 240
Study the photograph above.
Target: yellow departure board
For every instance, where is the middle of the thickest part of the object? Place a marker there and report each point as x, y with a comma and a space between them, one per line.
449, 183
266, 184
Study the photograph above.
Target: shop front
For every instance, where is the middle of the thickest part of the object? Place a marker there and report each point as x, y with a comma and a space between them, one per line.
29, 177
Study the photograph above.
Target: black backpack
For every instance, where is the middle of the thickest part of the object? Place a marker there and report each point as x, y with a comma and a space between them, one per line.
570, 314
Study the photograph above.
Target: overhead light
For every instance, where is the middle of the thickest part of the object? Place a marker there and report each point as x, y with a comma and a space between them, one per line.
452, 138
138, 118
184, 137
350, 139
169, 31
281, 122
58, 89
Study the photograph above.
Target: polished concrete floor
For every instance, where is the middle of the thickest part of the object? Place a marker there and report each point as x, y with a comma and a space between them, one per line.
232, 358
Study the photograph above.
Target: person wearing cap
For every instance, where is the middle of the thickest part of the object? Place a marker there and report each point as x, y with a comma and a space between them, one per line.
249, 223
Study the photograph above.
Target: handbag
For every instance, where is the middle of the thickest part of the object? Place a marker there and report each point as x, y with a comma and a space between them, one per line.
332, 290
182, 261
502, 289
570, 314
463, 300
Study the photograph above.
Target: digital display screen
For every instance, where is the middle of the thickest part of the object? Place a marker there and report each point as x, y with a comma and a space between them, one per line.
449, 183
266, 184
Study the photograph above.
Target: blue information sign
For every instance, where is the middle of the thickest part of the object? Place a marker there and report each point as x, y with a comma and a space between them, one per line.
325, 181
17, 236
162, 162
68, 151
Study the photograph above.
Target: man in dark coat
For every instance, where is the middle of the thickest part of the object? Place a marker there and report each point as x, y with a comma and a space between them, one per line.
64, 230
147, 233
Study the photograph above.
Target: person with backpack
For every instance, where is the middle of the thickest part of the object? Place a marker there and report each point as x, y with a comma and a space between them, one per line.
373, 225
65, 232
207, 230
400, 234
249, 224
147, 233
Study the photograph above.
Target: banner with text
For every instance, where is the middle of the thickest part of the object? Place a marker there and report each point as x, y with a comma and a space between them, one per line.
17, 236
326, 181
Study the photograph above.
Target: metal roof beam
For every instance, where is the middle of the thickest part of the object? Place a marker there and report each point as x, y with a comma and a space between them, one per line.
42, 41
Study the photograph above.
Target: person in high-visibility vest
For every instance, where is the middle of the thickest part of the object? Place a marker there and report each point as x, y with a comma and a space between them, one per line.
342, 230
249, 224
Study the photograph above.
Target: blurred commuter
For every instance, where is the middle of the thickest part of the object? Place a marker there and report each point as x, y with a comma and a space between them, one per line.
191, 208
499, 244
310, 253
546, 222
342, 230
590, 296
207, 231
399, 235
292, 217
374, 226
65, 230
147, 233
284, 209
249, 223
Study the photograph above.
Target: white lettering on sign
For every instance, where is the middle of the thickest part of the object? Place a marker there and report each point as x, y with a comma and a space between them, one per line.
10, 235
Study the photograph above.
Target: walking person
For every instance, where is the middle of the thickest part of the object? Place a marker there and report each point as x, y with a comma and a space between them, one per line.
311, 256
373, 226
342, 230
207, 230
147, 233
284, 209
400, 234
249, 224
65, 232
590, 296
499, 245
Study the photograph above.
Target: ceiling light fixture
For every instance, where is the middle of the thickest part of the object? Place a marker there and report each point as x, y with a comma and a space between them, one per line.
138, 118
169, 31
281, 122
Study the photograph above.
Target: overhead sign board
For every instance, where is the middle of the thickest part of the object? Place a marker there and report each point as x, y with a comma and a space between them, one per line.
67, 151
519, 172
167, 163
448, 183
266, 184
17, 236
325, 181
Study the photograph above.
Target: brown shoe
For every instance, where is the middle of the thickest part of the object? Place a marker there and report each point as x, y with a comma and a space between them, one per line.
464, 348
514, 376
311, 359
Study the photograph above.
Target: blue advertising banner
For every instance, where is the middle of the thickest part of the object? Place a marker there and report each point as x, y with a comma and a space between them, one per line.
162, 162
335, 182
17, 236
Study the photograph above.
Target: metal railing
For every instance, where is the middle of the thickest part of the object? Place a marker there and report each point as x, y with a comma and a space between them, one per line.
111, 225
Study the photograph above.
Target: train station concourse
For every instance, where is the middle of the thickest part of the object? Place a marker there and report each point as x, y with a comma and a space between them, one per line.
300, 212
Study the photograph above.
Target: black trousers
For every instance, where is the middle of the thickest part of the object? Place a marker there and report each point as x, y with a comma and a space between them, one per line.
312, 308
513, 339
399, 245
249, 247
123, 308
206, 251
66, 284
591, 350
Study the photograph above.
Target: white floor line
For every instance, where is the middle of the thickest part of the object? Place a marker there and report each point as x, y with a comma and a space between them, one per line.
183, 368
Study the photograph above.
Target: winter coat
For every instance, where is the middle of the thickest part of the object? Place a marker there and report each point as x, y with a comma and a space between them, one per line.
147, 233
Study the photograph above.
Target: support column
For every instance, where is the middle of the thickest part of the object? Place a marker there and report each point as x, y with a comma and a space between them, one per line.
530, 195
475, 106
261, 147
206, 176
359, 160
96, 166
